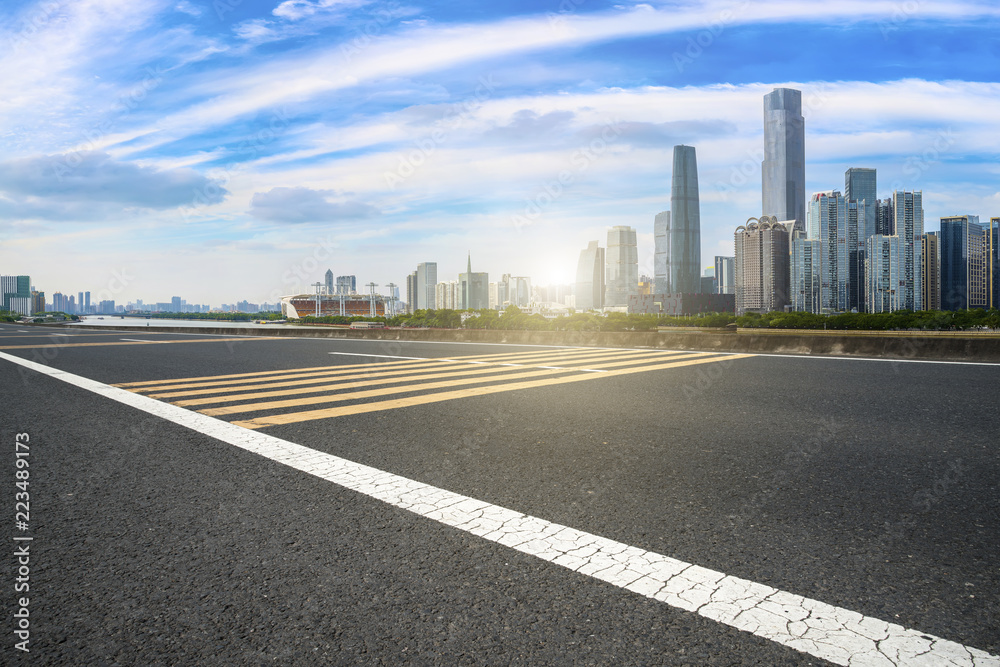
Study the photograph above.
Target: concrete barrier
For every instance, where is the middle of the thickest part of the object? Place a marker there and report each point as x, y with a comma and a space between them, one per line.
904, 345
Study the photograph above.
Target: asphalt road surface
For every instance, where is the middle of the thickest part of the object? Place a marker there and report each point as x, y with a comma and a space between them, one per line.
201, 499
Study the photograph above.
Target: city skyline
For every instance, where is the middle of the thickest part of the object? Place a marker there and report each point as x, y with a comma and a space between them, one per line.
239, 150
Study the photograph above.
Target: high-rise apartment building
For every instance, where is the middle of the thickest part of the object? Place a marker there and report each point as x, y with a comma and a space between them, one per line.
661, 253
930, 266
993, 253
761, 266
807, 274
37, 302
426, 280
590, 278
838, 223
783, 171
909, 227
411, 292
622, 256
885, 284
684, 268
725, 275
885, 219
965, 279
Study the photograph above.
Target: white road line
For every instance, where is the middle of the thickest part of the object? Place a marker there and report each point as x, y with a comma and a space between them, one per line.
138, 340
831, 633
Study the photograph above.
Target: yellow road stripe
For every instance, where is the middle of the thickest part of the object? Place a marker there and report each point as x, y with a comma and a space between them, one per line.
315, 380
424, 399
328, 371
353, 395
134, 342
353, 368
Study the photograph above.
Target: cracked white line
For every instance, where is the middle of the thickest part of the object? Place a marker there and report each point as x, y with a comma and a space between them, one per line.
832, 633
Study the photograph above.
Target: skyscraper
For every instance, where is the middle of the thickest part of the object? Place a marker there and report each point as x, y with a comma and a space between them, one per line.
347, 285
590, 278
474, 289
807, 273
964, 263
931, 268
836, 223
761, 266
622, 266
328, 281
661, 253
909, 227
684, 266
993, 257
411, 292
427, 277
860, 185
783, 171
885, 221
884, 284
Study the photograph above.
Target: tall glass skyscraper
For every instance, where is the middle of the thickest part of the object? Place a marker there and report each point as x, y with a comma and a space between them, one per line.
684, 265
964, 262
590, 278
661, 253
622, 266
837, 223
860, 185
783, 170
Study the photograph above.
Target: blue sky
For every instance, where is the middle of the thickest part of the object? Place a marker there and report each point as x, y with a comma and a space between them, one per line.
222, 149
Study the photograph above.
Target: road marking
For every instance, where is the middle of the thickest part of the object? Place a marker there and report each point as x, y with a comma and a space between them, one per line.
380, 356
816, 628
437, 397
137, 340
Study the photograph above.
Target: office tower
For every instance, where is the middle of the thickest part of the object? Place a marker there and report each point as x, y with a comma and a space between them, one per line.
328, 281
86, 307
884, 284
761, 266
724, 278
684, 264
783, 171
622, 257
347, 285
175, 304
836, 223
79, 303
930, 252
860, 185
427, 277
15, 292
909, 227
964, 263
474, 289
885, 220
661, 253
807, 273
590, 278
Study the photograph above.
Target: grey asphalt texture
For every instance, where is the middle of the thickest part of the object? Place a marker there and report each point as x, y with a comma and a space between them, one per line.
868, 485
